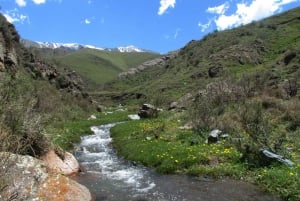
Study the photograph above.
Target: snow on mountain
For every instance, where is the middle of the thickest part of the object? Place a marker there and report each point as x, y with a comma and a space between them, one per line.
72, 46
77, 46
130, 48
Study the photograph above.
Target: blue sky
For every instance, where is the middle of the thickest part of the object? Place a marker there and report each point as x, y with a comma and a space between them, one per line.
158, 25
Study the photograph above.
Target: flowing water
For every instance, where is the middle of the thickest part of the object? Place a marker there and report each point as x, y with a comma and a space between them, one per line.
111, 178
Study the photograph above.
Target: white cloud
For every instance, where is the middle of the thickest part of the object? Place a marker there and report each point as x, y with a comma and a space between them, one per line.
245, 12
21, 3
39, 1
204, 27
87, 21
13, 16
164, 5
219, 9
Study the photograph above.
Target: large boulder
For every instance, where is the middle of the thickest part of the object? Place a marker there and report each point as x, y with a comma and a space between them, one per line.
65, 164
31, 180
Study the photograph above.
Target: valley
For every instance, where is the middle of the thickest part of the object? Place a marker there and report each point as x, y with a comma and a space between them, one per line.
242, 84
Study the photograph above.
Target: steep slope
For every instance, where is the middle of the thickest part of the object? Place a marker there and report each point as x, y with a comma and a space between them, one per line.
270, 46
35, 98
33, 95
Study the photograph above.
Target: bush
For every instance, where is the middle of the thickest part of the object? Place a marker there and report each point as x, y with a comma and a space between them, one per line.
260, 133
19, 119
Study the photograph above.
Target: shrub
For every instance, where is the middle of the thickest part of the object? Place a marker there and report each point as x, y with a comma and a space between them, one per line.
260, 133
292, 114
19, 118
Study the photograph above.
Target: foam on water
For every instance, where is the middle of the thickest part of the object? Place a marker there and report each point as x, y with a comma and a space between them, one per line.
97, 155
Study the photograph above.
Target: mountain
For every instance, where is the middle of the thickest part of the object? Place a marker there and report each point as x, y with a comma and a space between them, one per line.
244, 81
95, 65
77, 46
130, 48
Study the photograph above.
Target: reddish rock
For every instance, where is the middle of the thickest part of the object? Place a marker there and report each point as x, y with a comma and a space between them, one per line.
67, 166
59, 187
28, 179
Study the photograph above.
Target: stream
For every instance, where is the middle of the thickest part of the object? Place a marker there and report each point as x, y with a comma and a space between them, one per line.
111, 178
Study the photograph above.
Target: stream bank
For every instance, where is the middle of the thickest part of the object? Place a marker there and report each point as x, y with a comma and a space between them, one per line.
111, 178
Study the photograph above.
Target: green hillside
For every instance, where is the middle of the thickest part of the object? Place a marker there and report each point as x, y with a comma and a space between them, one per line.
271, 46
97, 67
244, 82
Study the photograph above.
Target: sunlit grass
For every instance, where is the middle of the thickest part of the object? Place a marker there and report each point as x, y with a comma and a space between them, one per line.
160, 144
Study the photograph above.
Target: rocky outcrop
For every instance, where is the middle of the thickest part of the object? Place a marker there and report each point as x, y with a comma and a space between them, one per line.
243, 54
182, 103
32, 180
8, 55
14, 56
148, 64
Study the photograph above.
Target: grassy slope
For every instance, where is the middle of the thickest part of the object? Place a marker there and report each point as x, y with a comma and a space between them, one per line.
98, 67
188, 72
158, 143
274, 122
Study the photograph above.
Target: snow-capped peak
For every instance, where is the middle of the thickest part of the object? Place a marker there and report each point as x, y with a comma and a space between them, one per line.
130, 48
77, 46
72, 46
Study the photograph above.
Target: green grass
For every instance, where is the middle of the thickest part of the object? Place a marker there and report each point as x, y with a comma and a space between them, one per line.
160, 144
261, 45
70, 132
101, 66
280, 180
